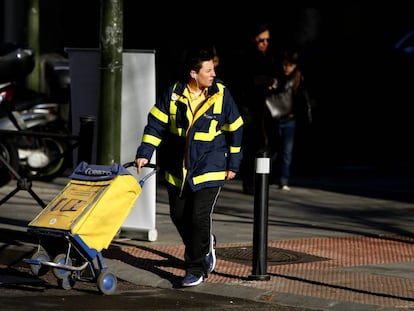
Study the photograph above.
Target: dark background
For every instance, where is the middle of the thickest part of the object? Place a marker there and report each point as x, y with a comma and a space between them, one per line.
362, 86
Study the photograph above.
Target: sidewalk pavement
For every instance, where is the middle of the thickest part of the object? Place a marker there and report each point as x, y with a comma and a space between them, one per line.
340, 241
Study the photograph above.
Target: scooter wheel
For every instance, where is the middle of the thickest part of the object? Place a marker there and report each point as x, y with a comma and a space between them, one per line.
9, 154
39, 269
61, 273
66, 283
107, 283
56, 149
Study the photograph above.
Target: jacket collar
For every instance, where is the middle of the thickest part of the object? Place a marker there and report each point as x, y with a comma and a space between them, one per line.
180, 87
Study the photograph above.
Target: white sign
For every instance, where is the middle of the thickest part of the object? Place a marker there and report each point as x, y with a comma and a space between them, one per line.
138, 97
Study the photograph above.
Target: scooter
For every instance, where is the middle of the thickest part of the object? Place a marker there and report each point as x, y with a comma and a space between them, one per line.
33, 138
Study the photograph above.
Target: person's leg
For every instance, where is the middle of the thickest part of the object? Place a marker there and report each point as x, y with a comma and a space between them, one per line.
203, 205
288, 139
179, 213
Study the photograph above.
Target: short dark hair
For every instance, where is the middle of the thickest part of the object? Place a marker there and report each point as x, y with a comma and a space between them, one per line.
196, 57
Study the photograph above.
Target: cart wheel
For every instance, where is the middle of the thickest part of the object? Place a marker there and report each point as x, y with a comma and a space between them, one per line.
66, 283
61, 273
39, 269
107, 283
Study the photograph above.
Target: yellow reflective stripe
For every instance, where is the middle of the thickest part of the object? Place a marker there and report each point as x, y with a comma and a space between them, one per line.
173, 117
234, 126
218, 105
173, 108
173, 180
235, 149
189, 113
150, 139
226, 127
216, 100
173, 127
209, 177
207, 136
158, 114
185, 98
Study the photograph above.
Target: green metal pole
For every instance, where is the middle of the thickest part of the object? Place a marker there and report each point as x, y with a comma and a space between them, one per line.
109, 107
33, 80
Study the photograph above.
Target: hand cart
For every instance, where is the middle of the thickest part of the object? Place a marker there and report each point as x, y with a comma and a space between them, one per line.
81, 221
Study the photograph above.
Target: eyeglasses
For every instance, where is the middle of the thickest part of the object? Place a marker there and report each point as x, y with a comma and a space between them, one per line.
263, 40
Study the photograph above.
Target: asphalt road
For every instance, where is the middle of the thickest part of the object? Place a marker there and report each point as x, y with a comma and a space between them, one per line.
22, 291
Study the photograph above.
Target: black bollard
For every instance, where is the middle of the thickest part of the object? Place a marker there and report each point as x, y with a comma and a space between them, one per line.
86, 131
261, 204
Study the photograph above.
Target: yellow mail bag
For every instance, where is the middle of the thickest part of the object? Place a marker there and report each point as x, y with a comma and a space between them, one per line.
92, 206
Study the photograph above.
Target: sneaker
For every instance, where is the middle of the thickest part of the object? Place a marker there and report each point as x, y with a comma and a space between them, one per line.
285, 188
192, 280
211, 256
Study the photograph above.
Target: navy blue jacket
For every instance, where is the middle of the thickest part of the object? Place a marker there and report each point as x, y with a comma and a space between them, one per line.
198, 148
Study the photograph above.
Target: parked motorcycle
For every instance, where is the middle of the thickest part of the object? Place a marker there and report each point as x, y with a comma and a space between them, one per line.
33, 136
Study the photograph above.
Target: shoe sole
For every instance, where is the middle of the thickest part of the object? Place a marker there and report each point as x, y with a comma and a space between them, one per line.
194, 283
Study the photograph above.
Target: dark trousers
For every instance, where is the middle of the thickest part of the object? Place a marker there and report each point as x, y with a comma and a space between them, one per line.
283, 143
191, 214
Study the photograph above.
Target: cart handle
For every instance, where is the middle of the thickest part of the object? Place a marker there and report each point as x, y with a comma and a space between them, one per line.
150, 165
133, 163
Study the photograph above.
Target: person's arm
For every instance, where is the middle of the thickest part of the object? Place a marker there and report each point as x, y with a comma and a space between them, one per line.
158, 119
234, 131
306, 98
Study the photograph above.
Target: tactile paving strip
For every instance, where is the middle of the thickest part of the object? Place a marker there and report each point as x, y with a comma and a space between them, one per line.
331, 278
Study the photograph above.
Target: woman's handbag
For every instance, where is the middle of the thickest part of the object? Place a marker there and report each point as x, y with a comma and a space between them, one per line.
279, 104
